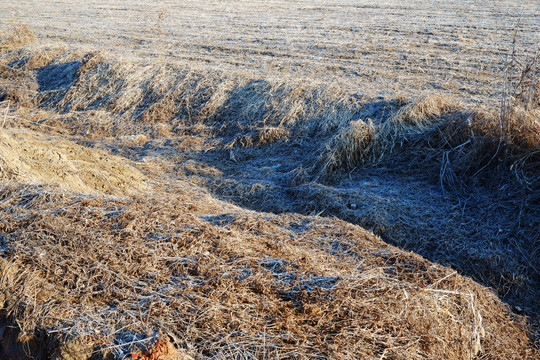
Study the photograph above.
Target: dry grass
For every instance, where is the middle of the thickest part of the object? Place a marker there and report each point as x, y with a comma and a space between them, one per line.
147, 99
18, 35
438, 131
161, 101
411, 121
259, 137
350, 148
233, 284
363, 141
171, 271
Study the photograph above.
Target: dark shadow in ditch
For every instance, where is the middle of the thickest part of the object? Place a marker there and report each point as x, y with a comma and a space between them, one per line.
54, 81
487, 230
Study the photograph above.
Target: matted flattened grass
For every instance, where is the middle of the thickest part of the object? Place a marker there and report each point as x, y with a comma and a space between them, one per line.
222, 282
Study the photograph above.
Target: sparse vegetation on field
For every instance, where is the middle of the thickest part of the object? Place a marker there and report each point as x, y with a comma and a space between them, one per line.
157, 206
18, 35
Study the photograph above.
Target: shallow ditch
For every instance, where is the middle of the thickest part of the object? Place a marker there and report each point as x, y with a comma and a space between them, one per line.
484, 233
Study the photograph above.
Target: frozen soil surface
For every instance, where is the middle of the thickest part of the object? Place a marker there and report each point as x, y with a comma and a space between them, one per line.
387, 48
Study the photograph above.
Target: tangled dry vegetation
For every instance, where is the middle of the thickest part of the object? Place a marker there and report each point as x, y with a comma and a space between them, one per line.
438, 127
18, 35
104, 257
221, 282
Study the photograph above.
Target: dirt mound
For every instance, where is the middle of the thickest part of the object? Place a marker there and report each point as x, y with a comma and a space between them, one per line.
28, 157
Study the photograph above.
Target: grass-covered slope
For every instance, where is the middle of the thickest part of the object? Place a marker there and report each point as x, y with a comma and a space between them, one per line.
221, 282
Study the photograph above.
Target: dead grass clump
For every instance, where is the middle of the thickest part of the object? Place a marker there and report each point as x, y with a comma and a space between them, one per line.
350, 148
474, 145
162, 110
192, 167
133, 140
259, 137
221, 282
268, 135
28, 73
367, 142
410, 122
19, 35
438, 132
161, 131
27, 157
190, 143
43, 58
20, 89
304, 108
142, 95
93, 124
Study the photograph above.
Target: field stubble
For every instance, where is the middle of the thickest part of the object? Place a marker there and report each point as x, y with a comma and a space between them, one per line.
457, 48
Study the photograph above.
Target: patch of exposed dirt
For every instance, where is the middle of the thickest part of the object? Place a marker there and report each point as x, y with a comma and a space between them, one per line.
28, 157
